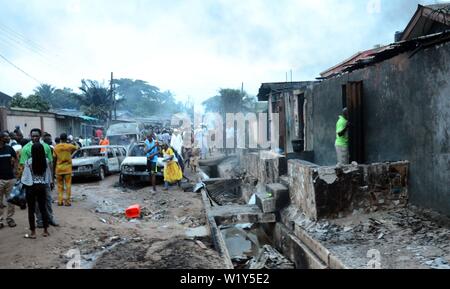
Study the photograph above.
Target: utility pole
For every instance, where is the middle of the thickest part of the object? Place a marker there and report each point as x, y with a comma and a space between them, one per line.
113, 95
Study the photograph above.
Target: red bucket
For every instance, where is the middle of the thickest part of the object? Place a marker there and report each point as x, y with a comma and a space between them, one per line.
133, 212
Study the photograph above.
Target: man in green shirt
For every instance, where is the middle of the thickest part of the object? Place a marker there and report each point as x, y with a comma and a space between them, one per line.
26, 150
24, 156
342, 126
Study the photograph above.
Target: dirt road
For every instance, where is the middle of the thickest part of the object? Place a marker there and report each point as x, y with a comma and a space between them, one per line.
96, 227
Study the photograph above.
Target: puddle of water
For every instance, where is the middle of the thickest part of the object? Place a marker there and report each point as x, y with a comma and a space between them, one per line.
241, 243
238, 246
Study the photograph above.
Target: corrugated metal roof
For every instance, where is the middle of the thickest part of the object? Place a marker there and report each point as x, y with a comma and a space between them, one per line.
397, 48
276, 87
350, 61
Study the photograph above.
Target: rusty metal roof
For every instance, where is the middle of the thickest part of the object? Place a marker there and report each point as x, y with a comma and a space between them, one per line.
394, 49
349, 62
429, 22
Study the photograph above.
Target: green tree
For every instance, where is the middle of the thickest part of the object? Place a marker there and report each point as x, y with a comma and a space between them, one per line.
230, 101
144, 99
95, 100
65, 98
45, 91
31, 102
57, 98
213, 104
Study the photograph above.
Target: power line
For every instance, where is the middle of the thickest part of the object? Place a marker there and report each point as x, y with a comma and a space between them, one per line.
20, 69
22, 38
21, 44
15, 38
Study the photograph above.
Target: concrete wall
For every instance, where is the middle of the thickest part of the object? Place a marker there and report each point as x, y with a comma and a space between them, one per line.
407, 117
265, 166
69, 126
26, 123
331, 192
48, 122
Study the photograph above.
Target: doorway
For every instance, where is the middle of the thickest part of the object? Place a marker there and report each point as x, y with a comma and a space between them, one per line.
352, 98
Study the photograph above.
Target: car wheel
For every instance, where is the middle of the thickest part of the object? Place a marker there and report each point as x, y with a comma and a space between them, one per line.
101, 173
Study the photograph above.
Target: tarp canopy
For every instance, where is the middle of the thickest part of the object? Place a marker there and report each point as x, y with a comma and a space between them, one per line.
88, 118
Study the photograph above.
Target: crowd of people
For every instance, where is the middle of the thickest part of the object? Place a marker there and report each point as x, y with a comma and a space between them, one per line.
176, 155
35, 165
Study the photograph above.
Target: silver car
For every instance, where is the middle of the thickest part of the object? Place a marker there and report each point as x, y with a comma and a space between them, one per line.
97, 161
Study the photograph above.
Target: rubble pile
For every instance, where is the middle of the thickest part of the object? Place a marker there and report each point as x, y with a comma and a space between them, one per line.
423, 235
269, 258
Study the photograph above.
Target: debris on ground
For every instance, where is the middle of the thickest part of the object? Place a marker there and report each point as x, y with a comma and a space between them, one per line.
157, 254
406, 238
269, 258
202, 231
200, 243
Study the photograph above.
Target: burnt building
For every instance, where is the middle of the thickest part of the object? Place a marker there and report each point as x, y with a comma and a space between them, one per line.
287, 99
398, 96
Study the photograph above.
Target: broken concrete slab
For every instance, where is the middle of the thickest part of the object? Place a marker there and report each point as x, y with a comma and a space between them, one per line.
201, 231
238, 214
224, 191
269, 258
335, 192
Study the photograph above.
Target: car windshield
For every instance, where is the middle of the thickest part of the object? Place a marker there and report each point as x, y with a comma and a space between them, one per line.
85, 153
137, 151
123, 128
122, 139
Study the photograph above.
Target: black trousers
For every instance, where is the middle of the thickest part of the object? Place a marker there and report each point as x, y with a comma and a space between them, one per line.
37, 193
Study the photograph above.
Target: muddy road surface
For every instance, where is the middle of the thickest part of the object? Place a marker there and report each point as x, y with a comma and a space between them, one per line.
94, 232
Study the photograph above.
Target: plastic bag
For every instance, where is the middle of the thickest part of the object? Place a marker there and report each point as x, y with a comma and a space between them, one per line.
18, 196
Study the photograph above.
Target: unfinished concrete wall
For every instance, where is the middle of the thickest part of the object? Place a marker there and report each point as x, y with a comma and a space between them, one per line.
330, 192
301, 186
406, 107
264, 166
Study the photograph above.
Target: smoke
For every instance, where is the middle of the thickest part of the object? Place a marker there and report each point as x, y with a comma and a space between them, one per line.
191, 47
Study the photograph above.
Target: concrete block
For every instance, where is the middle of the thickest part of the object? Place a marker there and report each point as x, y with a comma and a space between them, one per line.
265, 202
296, 250
312, 244
280, 193
238, 214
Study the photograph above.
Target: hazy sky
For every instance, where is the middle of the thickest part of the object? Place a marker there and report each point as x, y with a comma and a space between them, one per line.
191, 47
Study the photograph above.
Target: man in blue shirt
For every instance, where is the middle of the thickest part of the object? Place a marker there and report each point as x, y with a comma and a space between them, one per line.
152, 152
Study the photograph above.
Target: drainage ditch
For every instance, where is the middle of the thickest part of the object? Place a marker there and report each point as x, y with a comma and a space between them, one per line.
244, 245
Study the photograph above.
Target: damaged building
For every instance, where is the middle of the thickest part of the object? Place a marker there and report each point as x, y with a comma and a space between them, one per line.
397, 185
398, 97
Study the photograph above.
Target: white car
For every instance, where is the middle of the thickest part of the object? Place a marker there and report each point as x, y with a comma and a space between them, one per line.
97, 161
134, 167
